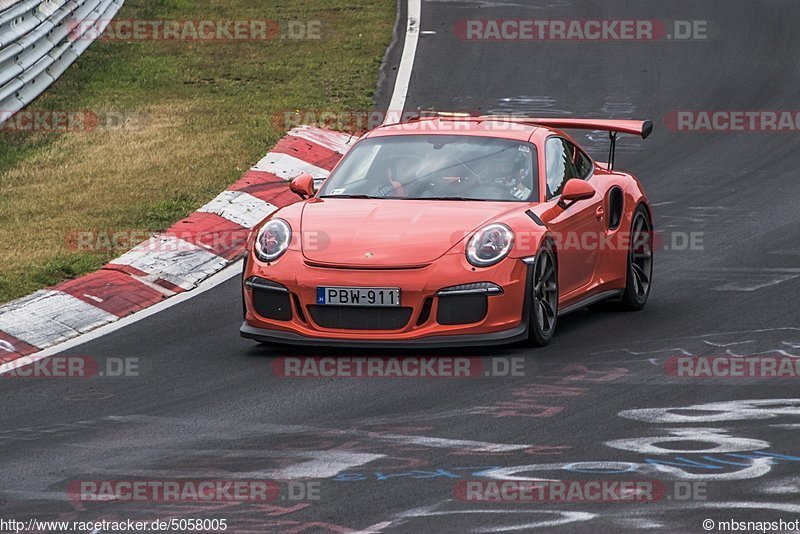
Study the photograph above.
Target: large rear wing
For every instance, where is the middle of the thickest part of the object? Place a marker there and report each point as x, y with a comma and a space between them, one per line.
612, 126
642, 128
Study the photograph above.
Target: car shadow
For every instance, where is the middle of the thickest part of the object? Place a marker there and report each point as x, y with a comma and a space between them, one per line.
566, 325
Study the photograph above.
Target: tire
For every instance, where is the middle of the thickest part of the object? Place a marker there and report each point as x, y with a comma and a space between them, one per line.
543, 298
639, 269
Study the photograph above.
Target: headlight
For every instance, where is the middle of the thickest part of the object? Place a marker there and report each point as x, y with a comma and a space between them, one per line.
490, 244
273, 240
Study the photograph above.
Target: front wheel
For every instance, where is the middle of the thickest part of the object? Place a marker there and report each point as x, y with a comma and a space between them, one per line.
640, 262
543, 298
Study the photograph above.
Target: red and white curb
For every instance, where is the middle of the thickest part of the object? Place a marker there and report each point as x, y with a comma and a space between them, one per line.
175, 261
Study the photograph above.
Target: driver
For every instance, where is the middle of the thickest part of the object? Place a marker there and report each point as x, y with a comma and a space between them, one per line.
392, 187
512, 171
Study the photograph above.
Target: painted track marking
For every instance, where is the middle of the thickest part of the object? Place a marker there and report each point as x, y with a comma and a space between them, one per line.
403, 79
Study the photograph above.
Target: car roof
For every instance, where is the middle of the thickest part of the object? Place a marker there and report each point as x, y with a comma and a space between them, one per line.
470, 126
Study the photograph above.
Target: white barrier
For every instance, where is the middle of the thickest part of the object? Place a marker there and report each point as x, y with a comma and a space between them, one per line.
39, 39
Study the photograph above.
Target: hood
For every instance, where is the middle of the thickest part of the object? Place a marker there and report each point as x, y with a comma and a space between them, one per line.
389, 233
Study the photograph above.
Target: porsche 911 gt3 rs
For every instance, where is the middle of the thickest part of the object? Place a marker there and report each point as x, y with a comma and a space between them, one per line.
451, 231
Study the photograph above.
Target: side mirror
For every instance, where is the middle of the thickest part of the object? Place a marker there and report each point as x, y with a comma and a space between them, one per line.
576, 189
303, 186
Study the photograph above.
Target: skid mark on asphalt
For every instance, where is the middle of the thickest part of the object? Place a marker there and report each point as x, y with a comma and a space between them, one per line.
762, 342
528, 105
747, 279
400, 439
709, 217
548, 396
713, 344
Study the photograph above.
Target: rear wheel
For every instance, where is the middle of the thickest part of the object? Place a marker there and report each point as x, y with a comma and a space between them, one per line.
640, 262
543, 297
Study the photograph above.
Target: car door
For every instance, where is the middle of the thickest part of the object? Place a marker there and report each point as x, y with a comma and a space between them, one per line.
578, 227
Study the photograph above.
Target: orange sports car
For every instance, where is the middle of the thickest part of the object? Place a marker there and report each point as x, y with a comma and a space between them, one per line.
451, 230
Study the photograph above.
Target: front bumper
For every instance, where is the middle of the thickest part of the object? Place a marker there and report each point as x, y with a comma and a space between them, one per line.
297, 320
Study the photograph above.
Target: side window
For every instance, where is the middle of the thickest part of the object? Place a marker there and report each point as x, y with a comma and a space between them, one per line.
560, 162
584, 165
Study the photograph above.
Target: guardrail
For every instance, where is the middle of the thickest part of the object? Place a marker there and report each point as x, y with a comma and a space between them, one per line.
39, 39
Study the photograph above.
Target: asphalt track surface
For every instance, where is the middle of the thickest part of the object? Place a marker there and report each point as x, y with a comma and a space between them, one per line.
208, 406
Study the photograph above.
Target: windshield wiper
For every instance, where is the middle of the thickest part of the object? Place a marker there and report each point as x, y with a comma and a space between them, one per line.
405, 198
453, 198
347, 196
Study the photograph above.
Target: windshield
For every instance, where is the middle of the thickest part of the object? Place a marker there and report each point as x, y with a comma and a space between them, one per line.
445, 167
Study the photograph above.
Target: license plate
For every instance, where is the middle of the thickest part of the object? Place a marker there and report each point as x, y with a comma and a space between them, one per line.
358, 296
